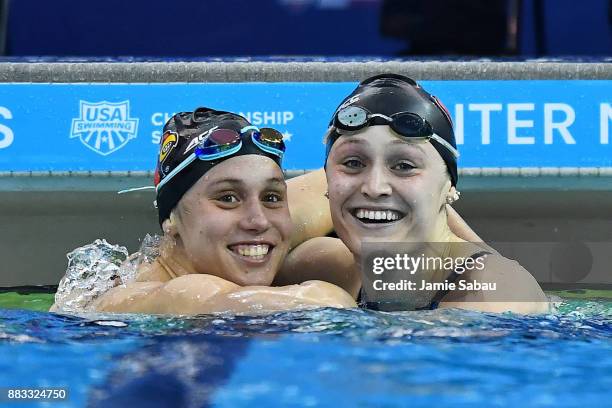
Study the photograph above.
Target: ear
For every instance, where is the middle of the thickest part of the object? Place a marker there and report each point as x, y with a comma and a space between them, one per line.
452, 195
169, 225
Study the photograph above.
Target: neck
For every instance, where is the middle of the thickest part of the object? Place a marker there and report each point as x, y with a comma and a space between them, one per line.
173, 258
441, 232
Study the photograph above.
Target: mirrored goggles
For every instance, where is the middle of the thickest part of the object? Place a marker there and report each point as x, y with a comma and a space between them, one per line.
225, 142
407, 125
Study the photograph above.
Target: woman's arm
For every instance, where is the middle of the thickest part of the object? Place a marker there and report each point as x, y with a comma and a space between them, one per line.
322, 258
258, 299
186, 294
309, 207
197, 294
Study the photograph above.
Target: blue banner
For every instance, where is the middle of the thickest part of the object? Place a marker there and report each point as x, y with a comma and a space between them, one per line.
116, 127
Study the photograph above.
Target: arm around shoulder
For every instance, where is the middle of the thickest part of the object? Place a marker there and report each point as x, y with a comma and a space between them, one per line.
186, 294
266, 299
324, 259
309, 207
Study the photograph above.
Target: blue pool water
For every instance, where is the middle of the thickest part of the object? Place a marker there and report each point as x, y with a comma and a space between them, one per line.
320, 358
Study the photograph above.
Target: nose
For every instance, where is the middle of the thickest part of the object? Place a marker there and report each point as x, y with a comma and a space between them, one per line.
376, 184
255, 218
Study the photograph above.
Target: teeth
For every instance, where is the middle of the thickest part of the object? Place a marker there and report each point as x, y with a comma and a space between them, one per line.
377, 215
255, 251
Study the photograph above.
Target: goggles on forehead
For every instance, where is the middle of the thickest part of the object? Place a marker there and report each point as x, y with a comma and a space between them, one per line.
222, 143
407, 125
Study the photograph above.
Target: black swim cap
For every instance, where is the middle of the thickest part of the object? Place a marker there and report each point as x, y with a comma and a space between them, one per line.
388, 94
182, 133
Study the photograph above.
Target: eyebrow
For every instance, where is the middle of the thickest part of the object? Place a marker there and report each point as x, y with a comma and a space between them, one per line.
228, 181
276, 180
414, 145
353, 140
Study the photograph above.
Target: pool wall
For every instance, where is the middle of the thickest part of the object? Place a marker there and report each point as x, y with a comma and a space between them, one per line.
542, 172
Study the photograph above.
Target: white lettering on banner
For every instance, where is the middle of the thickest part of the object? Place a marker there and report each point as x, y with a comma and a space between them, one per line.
562, 127
268, 118
458, 120
8, 138
287, 116
605, 115
156, 136
514, 123
485, 110
558, 118
160, 118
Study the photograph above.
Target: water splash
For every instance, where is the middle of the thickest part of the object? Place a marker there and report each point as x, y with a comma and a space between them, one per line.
95, 268
92, 270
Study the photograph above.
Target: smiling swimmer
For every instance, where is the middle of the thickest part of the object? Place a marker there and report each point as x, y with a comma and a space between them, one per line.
391, 168
222, 204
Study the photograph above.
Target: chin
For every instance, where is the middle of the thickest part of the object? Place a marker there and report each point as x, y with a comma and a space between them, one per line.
253, 276
254, 279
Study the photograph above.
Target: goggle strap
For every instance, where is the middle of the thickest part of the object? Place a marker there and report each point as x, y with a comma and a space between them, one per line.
444, 143
178, 168
247, 128
268, 149
130, 190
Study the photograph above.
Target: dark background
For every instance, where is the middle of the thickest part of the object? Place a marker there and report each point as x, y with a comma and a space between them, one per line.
209, 28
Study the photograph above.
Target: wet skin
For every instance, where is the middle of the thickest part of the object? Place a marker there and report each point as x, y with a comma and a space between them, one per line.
236, 215
382, 188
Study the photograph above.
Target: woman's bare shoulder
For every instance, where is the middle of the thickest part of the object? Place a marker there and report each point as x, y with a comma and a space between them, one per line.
152, 272
504, 286
128, 298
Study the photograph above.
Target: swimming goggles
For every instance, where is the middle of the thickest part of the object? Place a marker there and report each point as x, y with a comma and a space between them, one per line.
408, 125
221, 143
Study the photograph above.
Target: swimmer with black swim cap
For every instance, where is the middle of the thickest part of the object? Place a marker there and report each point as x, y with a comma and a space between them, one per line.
401, 103
222, 204
391, 167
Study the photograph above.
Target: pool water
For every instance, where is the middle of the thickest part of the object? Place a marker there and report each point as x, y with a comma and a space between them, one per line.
319, 358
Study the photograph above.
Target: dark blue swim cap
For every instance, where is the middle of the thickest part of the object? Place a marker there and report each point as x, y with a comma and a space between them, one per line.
389, 94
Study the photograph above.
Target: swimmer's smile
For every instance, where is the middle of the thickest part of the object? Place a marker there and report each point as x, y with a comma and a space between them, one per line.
254, 253
377, 216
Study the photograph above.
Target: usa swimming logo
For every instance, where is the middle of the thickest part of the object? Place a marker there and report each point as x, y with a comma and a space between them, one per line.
104, 127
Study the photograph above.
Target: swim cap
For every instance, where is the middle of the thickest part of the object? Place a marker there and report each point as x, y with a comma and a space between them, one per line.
182, 133
388, 94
